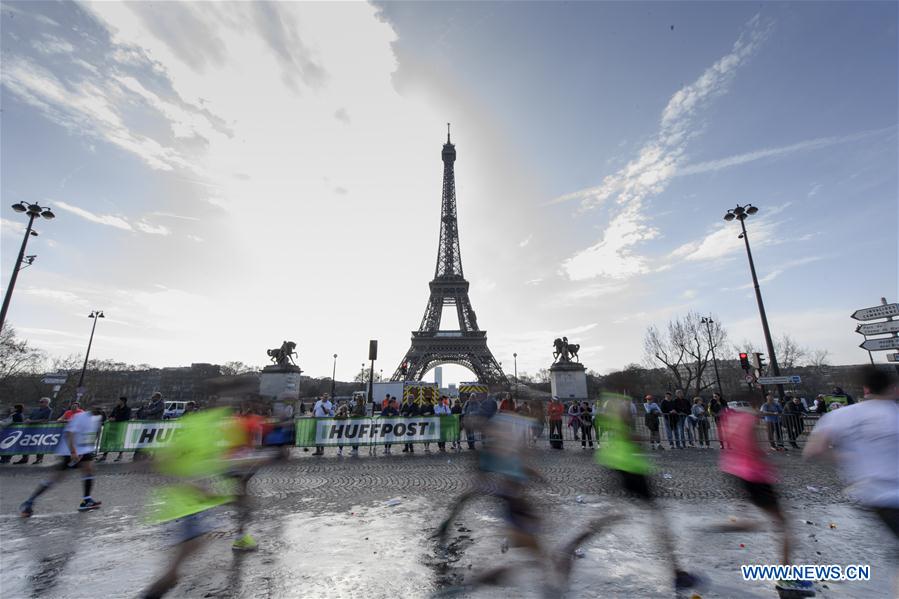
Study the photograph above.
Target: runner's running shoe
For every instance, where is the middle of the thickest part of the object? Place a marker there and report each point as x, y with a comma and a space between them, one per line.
89, 504
245, 543
26, 509
792, 589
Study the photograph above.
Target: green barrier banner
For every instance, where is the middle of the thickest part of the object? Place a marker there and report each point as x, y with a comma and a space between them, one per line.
137, 434
376, 431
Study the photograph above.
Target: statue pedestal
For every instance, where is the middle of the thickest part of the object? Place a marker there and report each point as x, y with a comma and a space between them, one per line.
568, 380
280, 382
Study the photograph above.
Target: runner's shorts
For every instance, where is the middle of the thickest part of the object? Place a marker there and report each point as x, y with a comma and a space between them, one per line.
65, 461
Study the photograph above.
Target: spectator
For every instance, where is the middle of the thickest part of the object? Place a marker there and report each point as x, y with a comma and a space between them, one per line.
574, 418
357, 411
716, 408
843, 397
342, 413
555, 410
385, 401
389, 411
426, 409
42, 413
683, 409
820, 406
701, 419
487, 407
652, 420
156, 408
442, 409
120, 413
456, 409
322, 409
793, 416
469, 416
17, 417
507, 404
670, 420
409, 410
771, 411
74, 408
586, 423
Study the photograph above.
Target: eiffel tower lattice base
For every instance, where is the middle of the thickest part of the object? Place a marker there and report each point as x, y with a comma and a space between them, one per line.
469, 349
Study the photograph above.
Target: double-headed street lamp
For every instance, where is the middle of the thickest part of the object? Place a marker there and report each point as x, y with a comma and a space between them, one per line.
708, 322
95, 314
33, 211
741, 213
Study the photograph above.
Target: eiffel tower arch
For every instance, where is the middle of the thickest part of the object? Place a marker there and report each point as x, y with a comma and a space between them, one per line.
432, 346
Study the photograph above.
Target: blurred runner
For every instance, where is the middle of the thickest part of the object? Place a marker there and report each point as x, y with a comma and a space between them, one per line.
504, 473
622, 456
195, 460
76, 451
864, 440
745, 461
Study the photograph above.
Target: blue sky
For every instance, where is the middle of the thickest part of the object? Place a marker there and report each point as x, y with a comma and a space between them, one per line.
227, 176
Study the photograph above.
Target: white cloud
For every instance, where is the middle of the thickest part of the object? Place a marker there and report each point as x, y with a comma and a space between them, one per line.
50, 44
689, 294
803, 146
56, 295
101, 219
87, 109
151, 229
11, 226
614, 255
781, 268
525, 242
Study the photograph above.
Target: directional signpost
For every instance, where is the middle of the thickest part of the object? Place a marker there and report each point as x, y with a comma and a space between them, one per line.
878, 328
882, 344
793, 379
884, 311
884, 327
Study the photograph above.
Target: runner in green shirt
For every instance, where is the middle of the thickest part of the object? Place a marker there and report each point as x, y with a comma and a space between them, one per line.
623, 456
195, 460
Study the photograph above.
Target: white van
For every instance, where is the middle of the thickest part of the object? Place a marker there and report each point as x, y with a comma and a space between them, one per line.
174, 409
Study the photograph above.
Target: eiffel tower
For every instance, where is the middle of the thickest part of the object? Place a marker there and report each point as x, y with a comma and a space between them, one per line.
432, 346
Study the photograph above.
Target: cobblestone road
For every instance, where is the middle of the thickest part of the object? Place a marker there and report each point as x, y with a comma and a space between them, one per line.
326, 531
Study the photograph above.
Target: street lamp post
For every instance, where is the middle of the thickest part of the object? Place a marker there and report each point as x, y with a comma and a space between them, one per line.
95, 314
333, 374
33, 211
362, 376
515, 361
708, 327
741, 213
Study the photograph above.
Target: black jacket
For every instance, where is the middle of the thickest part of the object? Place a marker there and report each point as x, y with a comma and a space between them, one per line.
120, 414
682, 405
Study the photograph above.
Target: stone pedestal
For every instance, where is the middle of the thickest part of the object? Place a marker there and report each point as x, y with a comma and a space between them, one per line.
568, 380
280, 382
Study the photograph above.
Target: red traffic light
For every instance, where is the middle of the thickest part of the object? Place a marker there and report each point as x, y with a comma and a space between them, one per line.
744, 360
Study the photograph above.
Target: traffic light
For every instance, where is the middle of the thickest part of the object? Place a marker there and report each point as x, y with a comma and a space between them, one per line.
760, 363
744, 360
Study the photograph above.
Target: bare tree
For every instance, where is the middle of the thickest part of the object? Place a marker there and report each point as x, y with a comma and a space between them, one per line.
789, 353
684, 350
16, 356
819, 358
236, 368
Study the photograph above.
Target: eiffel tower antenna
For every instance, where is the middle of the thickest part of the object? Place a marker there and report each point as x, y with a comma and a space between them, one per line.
432, 346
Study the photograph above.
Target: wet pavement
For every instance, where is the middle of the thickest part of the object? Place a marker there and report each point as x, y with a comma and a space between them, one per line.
327, 528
